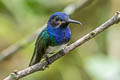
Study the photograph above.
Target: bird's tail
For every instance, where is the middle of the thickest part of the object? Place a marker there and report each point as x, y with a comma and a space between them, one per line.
35, 58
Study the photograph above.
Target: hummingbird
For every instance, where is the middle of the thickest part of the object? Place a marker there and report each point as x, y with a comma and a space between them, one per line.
54, 37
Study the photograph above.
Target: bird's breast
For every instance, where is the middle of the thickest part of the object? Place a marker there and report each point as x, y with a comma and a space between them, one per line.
59, 36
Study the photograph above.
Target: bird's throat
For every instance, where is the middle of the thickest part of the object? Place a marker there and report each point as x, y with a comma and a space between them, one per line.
64, 25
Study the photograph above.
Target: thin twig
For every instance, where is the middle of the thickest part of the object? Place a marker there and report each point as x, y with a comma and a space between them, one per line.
43, 65
70, 9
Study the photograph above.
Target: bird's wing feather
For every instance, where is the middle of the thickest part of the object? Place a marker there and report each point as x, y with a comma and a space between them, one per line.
40, 47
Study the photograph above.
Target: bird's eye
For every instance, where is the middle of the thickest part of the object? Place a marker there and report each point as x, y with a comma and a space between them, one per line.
57, 18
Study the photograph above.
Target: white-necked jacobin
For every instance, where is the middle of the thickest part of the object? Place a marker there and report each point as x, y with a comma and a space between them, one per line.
53, 37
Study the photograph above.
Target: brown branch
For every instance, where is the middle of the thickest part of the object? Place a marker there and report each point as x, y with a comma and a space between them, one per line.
70, 9
43, 65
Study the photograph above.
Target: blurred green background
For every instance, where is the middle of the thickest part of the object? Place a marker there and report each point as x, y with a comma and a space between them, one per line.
98, 59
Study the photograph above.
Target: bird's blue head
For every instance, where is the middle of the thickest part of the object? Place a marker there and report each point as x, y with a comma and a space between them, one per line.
60, 19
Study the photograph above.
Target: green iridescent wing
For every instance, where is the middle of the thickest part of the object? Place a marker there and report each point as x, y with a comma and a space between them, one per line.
40, 47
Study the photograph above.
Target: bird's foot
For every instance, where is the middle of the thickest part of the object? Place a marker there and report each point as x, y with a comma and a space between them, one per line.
48, 62
62, 51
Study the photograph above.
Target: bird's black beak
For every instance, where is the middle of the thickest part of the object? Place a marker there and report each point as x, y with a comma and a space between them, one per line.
74, 21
